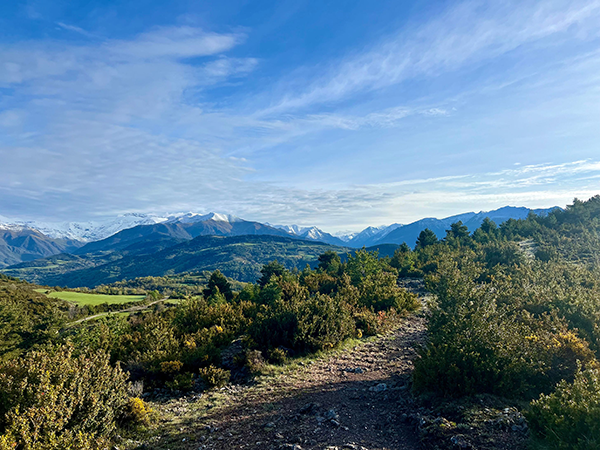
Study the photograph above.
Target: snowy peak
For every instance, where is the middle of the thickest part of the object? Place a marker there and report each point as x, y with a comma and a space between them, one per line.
83, 231
195, 217
97, 230
372, 234
312, 233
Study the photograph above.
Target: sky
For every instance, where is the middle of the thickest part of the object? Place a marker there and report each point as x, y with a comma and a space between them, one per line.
339, 114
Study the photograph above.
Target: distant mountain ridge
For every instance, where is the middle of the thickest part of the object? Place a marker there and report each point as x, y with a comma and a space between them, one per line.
23, 241
409, 233
179, 231
311, 234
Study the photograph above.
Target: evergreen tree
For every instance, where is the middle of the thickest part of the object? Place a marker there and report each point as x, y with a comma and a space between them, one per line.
218, 283
426, 238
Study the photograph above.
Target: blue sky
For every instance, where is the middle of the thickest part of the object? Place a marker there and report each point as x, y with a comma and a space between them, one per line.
339, 114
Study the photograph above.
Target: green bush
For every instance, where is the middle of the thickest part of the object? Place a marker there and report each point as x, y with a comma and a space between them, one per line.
56, 400
569, 418
215, 376
483, 340
323, 322
379, 291
368, 323
181, 382
277, 356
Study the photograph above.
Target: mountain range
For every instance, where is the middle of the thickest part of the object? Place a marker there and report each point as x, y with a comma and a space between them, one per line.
144, 234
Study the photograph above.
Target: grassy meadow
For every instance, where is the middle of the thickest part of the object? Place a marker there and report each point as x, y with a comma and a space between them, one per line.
82, 298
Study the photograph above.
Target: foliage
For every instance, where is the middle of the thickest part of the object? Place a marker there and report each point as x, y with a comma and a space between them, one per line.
54, 399
569, 418
425, 239
27, 317
486, 339
215, 376
136, 413
218, 284
517, 314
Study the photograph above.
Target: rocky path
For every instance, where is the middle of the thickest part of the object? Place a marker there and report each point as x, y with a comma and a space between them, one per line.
351, 399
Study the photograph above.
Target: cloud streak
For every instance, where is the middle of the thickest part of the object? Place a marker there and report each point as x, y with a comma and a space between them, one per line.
469, 32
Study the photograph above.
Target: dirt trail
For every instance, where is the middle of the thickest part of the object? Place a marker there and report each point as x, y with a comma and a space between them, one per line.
353, 399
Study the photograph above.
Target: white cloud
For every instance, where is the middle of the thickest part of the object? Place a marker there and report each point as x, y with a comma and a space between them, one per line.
175, 42
74, 29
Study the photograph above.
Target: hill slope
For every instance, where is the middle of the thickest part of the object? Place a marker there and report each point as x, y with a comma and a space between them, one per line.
177, 232
238, 257
19, 244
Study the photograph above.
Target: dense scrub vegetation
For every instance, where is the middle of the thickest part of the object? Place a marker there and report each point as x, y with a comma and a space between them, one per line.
284, 312
27, 317
55, 400
517, 313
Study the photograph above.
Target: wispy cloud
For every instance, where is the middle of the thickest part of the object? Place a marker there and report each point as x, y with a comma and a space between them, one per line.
469, 32
75, 29
175, 42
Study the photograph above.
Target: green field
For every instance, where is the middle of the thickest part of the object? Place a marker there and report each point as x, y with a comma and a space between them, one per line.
93, 299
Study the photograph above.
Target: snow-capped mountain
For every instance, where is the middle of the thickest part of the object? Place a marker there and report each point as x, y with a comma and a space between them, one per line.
195, 217
345, 235
85, 231
372, 234
292, 229
310, 233
97, 230
22, 240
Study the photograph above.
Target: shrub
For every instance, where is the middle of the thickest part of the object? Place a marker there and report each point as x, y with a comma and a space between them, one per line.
53, 400
323, 322
367, 323
482, 341
181, 382
277, 356
215, 376
380, 292
170, 367
477, 351
569, 418
254, 361
136, 412
276, 325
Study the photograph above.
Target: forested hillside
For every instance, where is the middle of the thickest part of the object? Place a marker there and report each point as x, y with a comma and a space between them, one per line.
23, 244
238, 257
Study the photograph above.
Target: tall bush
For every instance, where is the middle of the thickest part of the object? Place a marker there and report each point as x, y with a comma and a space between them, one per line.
56, 400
